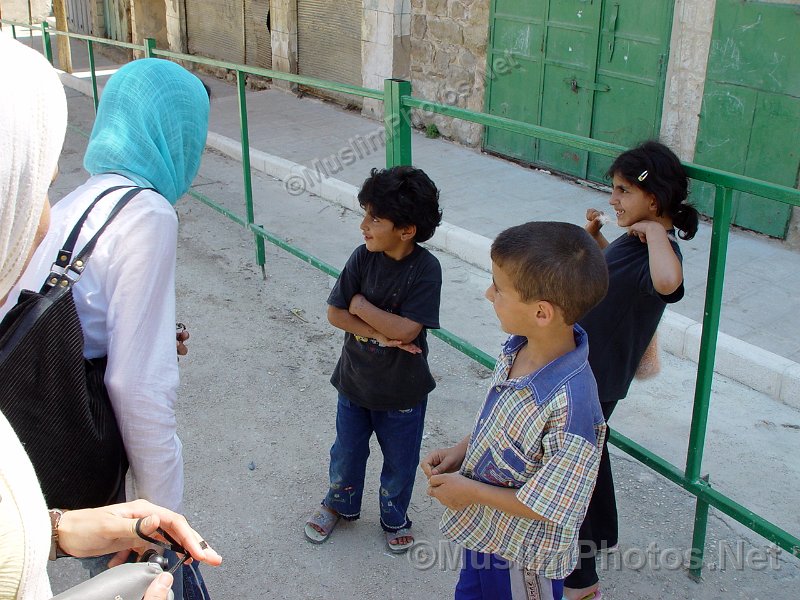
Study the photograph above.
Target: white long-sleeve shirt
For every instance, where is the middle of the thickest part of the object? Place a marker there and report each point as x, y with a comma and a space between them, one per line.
126, 304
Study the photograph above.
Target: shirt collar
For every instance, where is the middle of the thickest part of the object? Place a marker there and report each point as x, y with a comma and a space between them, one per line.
549, 379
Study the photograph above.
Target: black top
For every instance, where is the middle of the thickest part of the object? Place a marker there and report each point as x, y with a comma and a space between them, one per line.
622, 325
374, 376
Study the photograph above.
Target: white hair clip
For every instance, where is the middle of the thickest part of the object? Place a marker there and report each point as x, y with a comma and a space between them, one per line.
643, 176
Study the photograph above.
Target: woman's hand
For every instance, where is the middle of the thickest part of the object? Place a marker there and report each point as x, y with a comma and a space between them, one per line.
97, 531
159, 589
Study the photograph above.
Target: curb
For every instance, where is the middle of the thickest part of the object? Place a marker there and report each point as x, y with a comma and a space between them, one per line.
759, 369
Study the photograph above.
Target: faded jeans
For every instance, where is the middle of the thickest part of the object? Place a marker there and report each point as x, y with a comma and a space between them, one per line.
399, 434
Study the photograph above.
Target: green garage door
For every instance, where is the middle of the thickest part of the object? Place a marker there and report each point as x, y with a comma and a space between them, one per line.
590, 67
750, 120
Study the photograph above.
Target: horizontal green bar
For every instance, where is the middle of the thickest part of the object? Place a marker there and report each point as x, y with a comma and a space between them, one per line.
760, 188
703, 490
507, 124
218, 207
99, 40
464, 347
353, 90
742, 183
295, 251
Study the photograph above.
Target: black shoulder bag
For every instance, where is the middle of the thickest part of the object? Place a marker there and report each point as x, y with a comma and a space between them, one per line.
54, 398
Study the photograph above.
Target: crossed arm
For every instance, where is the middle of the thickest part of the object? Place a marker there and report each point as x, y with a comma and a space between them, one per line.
367, 320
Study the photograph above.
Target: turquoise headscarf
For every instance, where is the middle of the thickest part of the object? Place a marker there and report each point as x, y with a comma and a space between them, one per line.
151, 127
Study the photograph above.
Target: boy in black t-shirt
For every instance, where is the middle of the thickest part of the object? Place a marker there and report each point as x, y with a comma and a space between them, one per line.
385, 299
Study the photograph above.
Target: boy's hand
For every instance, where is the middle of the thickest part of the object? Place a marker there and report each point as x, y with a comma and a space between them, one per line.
384, 341
442, 460
451, 489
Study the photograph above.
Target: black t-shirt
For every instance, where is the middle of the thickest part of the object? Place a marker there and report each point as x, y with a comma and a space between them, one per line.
622, 325
377, 377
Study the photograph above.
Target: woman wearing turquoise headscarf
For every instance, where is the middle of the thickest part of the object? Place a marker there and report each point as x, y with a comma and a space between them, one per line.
150, 131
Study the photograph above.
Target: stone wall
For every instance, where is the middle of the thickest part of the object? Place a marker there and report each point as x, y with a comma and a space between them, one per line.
448, 61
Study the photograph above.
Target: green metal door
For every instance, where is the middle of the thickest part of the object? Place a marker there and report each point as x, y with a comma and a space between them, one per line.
750, 120
590, 67
517, 33
631, 69
570, 59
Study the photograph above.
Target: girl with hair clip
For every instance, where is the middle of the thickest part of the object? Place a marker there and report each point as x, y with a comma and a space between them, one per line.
649, 191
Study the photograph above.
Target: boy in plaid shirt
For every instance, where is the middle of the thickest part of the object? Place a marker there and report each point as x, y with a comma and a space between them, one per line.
517, 488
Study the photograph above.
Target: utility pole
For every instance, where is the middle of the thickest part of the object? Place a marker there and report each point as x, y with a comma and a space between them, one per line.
64, 51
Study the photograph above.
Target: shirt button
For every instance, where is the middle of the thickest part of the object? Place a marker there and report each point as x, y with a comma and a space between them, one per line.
497, 388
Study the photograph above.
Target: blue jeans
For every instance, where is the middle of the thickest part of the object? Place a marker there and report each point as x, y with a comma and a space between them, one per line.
399, 434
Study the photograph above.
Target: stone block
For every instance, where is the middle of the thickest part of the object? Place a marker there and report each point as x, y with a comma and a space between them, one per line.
402, 24
422, 52
369, 26
672, 332
418, 26
445, 31
437, 8
385, 30
376, 59
476, 37
466, 245
457, 11
790, 386
442, 60
466, 59
748, 364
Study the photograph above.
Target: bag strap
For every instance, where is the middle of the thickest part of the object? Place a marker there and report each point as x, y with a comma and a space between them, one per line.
65, 254
62, 267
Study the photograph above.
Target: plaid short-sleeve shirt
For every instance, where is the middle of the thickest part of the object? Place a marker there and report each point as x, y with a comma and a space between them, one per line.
540, 434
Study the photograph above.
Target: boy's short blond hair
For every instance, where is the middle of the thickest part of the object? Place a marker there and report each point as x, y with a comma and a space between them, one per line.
556, 262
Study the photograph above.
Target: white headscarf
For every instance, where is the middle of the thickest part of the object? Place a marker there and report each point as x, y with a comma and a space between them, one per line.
33, 121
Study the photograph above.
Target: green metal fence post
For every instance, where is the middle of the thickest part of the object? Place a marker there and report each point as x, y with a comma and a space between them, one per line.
46, 44
248, 182
397, 120
698, 539
90, 48
14, 31
149, 47
723, 206
723, 202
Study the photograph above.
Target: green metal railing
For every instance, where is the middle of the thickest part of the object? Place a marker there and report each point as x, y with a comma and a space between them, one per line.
398, 102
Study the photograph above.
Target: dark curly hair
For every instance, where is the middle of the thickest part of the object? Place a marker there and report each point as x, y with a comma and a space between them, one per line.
405, 196
665, 179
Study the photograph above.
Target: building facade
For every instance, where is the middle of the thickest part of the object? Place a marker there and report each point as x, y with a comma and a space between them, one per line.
717, 80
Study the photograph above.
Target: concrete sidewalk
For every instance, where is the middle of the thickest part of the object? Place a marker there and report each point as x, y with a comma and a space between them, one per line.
319, 148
